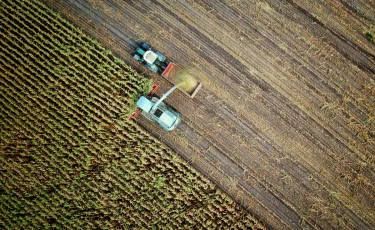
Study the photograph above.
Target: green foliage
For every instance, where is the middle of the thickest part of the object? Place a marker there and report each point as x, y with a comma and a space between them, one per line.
370, 36
159, 182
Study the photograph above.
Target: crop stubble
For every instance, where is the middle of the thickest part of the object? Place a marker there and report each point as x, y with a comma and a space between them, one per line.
70, 158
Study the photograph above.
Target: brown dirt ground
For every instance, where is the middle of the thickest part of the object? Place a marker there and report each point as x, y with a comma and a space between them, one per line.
285, 120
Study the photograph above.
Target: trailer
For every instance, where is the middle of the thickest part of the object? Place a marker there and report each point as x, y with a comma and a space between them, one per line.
174, 74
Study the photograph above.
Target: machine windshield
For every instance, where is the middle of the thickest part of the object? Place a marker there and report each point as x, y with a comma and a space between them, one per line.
158, 113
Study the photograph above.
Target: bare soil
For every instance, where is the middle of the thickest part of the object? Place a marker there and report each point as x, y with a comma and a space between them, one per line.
285, 120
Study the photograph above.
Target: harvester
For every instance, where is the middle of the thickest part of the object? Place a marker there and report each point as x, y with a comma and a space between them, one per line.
152, 107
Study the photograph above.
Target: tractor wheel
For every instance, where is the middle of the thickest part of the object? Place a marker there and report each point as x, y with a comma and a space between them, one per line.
140, 51
137, 57
145, 46
152, 67
161, 57
163, 66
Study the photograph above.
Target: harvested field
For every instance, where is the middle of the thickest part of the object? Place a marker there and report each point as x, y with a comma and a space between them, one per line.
70, 157
285, 119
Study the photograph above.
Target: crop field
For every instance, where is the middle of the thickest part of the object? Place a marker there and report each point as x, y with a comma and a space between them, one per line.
285, 119
70, 157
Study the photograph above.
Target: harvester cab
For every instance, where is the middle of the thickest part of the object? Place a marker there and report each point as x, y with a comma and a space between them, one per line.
156, 110
153, 108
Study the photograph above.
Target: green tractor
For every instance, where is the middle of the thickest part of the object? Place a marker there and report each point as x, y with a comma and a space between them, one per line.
153, 60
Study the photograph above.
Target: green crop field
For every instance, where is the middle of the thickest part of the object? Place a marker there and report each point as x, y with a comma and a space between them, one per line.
70, 157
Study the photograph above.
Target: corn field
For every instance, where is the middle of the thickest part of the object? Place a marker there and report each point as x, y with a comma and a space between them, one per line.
70, 157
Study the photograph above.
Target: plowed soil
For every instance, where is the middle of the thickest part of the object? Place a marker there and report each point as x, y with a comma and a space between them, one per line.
285, 120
